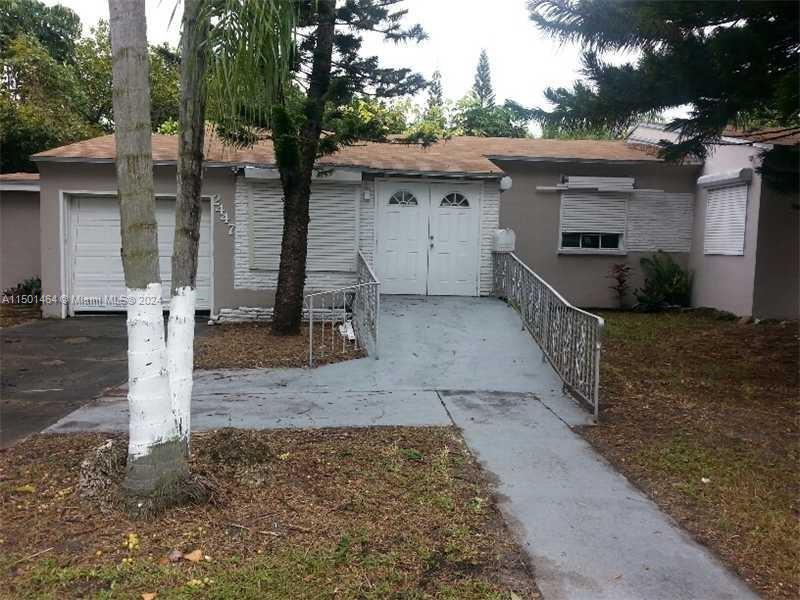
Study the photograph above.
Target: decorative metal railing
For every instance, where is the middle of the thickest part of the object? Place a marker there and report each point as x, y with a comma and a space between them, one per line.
345, 319
570, 338
367, 305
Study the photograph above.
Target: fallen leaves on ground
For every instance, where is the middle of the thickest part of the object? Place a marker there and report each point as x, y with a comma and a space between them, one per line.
347, 513
252, 346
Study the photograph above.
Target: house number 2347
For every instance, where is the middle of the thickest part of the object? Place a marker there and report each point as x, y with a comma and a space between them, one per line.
218, 207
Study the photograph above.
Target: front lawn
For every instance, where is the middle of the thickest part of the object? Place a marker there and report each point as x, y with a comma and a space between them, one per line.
252, 346
702, 413
337, 513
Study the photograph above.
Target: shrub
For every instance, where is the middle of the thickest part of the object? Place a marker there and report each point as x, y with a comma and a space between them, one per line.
666, 284
30, 290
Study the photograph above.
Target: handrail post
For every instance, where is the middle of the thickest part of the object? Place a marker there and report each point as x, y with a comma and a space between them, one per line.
598, 345
311, 331
377, 317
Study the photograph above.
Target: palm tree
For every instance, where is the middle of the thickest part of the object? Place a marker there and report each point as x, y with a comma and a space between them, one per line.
160, 368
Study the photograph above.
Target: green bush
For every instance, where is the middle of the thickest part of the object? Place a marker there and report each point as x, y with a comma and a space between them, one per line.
666, 284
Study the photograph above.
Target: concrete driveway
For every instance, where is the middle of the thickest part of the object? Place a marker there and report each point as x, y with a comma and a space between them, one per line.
467, 362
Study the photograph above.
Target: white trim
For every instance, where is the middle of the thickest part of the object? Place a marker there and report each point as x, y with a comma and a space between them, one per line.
22, 187
211, 291
64, 212
358, 192
479, 243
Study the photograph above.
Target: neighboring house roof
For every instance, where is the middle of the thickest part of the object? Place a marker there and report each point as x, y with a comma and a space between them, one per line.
780, 136
21, 182
653, 133
468, 155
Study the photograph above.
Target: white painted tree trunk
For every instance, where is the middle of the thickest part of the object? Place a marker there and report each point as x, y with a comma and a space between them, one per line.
156, 451
180, 358
152, 418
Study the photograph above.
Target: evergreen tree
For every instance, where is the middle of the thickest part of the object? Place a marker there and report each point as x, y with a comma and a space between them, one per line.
332, 72
435, 91
483, 81
735, 63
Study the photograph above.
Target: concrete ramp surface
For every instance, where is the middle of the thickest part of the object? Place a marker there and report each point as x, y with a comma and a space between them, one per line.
467, 361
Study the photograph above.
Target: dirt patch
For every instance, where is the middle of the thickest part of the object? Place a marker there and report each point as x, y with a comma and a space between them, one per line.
337, 513
17, 314
702, 413
252, 346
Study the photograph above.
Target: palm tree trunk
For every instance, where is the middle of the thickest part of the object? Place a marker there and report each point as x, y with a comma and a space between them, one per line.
296, 176
155, 455
180, 343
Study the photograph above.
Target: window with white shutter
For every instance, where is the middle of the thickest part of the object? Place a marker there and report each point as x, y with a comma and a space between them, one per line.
593, 222
726, 217
331, 230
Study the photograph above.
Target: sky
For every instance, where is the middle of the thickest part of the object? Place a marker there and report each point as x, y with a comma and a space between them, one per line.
523, 60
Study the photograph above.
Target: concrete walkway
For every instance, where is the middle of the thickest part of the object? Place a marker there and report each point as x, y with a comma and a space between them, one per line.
466, 361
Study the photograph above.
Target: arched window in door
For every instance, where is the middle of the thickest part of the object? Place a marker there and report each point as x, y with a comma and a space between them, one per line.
456, 200
403, 198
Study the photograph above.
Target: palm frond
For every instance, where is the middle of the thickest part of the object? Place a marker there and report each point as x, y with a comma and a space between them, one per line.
250, 49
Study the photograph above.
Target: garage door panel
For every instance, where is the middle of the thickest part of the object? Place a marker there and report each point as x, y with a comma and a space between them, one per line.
96, 272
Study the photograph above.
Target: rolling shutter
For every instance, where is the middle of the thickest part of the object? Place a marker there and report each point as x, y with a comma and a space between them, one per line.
331, 231
660, 221
593, 212
726, 217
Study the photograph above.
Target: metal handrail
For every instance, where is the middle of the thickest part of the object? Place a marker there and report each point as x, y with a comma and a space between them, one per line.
356, 306
570, 338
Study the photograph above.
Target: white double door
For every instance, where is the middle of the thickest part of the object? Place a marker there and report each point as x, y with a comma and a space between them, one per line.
428, 238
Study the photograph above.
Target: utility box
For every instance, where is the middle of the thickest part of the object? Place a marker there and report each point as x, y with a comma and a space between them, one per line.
505, 240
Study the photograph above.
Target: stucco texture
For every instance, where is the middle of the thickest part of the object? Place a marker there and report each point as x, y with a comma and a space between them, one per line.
726, 282
534, 216
777, 278
60, 180
20, 256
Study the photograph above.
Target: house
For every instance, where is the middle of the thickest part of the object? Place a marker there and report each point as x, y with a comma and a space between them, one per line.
19, 228
745, 251
424, 218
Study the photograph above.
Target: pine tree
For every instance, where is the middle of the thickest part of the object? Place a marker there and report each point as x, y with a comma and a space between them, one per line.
483, 81
435, 91
735, 64
333, 72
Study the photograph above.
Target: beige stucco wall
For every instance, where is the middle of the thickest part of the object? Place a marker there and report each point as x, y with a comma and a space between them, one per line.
20, 256
726, 282
59, 178
777, 275
534, 216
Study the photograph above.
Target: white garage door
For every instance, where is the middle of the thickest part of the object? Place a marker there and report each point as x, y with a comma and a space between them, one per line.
95, 265
428, 238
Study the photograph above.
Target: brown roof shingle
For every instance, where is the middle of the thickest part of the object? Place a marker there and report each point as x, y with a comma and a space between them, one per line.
780, 136
455, 155
21, 177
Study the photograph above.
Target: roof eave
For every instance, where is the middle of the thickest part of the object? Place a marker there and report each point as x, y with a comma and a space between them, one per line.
604, 161
241, 165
